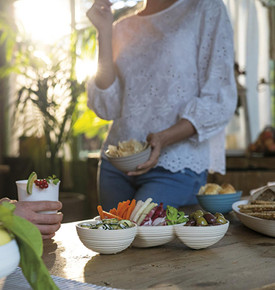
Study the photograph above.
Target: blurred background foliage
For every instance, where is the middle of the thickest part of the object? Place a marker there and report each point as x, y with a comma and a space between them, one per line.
48, 51
49, 97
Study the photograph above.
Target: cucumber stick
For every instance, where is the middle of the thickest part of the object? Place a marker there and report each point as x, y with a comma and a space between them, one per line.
145, 212
137, 207
141, 209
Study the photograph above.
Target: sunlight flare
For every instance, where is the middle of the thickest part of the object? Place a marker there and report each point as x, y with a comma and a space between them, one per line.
45, 21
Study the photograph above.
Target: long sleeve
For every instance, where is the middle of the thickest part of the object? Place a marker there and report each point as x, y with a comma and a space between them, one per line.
211, 111
105, 103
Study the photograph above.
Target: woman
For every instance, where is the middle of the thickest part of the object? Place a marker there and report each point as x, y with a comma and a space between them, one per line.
165, 75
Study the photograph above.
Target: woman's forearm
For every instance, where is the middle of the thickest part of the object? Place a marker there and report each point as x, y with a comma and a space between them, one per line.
182, 130
101, 16
106, 70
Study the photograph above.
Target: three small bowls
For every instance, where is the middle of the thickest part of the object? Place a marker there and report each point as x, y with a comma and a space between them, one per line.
115, 241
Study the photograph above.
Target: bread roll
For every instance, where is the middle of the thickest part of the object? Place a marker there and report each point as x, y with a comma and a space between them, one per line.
227, 188
201, 191
210, 189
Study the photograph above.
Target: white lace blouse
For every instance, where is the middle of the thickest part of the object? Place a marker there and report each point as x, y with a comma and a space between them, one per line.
174, 64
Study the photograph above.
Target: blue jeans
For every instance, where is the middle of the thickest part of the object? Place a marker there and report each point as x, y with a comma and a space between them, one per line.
174, 189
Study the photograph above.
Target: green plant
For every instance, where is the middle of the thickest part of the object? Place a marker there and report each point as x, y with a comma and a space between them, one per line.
50, 102
46, 102
87, 122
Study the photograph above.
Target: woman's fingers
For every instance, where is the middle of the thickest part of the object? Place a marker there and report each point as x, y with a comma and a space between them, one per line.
4, 199
154, 141
48, 229
44, 205
100, 15
102, 4
145, 167
47, 224
47, 237
47, 219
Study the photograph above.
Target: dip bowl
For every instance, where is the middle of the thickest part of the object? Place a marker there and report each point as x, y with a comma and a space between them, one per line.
105, 241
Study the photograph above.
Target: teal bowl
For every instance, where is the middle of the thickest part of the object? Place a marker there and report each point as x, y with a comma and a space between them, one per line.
219, 202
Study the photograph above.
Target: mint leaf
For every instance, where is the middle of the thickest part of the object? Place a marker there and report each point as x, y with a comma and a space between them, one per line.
55, 181
52, 178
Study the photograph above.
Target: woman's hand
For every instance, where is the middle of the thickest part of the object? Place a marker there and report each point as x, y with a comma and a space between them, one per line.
182, 130
100, 14
47, 224
155, 141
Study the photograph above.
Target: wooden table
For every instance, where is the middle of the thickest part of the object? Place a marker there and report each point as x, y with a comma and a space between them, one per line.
243, 259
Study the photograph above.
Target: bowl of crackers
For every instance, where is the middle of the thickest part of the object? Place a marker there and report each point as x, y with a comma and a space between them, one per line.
213, 197
127, 155
258, 212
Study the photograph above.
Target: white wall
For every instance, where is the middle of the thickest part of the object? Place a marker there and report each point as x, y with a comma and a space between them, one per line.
251, 35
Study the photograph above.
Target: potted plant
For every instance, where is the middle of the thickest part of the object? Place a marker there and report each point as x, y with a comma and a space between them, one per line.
46, 106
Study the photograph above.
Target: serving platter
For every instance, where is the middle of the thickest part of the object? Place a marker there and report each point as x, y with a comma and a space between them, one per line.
263, 226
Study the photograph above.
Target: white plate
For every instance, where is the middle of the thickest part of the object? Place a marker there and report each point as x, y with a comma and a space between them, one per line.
263, 226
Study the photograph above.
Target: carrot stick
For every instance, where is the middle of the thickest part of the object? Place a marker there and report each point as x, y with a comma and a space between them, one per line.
125, 213
130, 209
120, 205
124, 207
113, 211
100, 212
110, 215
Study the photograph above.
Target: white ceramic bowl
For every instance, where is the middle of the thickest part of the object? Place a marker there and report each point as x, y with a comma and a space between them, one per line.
152, 236
105, 241
263, 226
130, 163
199, 237
9, 257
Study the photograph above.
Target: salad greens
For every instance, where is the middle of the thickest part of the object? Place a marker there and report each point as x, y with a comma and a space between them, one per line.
30, 245
174, 216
